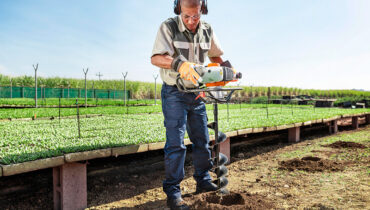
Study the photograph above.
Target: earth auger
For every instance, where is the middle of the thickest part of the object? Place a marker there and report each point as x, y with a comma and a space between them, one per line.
215, 77
217, 95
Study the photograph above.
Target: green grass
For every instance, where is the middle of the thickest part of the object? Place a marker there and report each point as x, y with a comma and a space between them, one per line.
22, 141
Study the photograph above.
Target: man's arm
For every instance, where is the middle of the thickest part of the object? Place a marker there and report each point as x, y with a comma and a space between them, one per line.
163, 48
162, 61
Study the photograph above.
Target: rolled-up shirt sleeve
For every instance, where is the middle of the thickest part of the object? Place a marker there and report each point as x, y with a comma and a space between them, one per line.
163, 42
215, 49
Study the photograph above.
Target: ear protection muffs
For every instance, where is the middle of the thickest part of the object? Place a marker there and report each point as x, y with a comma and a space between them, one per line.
177, 7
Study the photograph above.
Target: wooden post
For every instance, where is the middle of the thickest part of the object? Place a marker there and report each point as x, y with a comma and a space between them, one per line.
294, 134
70, 186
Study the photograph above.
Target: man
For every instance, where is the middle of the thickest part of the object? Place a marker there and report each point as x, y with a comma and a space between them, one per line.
181, 42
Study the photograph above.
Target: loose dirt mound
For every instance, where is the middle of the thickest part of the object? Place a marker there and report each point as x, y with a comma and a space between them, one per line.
346, 144
311, 164
319, 206
233, 201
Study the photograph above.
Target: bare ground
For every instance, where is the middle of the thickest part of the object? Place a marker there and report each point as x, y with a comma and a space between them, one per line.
257, 179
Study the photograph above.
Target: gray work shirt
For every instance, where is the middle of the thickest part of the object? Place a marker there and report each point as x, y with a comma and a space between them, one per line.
173, 39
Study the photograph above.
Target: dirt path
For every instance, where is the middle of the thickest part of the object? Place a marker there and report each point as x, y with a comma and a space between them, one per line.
266, 176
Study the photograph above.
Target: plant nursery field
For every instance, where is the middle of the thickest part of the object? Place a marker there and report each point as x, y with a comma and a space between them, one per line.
22, 141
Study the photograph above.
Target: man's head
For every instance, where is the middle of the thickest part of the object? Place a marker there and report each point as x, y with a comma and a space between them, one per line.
190, 13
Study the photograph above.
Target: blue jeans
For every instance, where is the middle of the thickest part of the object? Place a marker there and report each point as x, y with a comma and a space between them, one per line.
181, 111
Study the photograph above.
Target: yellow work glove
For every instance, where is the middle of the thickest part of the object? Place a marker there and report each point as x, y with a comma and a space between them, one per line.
187, 72
186, 69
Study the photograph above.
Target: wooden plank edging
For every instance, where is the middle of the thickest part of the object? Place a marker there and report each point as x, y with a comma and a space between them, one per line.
157, 145
131, 149
299, 124
346, 115
231, 133
19, 168
307, 123
331, 119
245, 131
87, 155
1, 170
257, 130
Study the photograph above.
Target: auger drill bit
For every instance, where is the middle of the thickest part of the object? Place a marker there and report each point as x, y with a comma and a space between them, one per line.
218, 158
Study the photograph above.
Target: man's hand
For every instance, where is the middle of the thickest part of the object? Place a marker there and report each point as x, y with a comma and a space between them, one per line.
188, 72
186, 69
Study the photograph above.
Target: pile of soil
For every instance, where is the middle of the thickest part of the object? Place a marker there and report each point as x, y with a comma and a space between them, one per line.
311, 164
212, 200
346, 144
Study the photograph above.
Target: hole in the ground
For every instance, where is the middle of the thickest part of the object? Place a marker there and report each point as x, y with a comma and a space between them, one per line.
226, 200
311, 158
232, 199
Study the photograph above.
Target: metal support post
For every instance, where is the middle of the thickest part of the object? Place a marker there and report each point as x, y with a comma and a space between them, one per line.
155, 89
268, 101
35, 68
85, 72
11, 88
124, 87
59, 110
78, 119
216, 146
